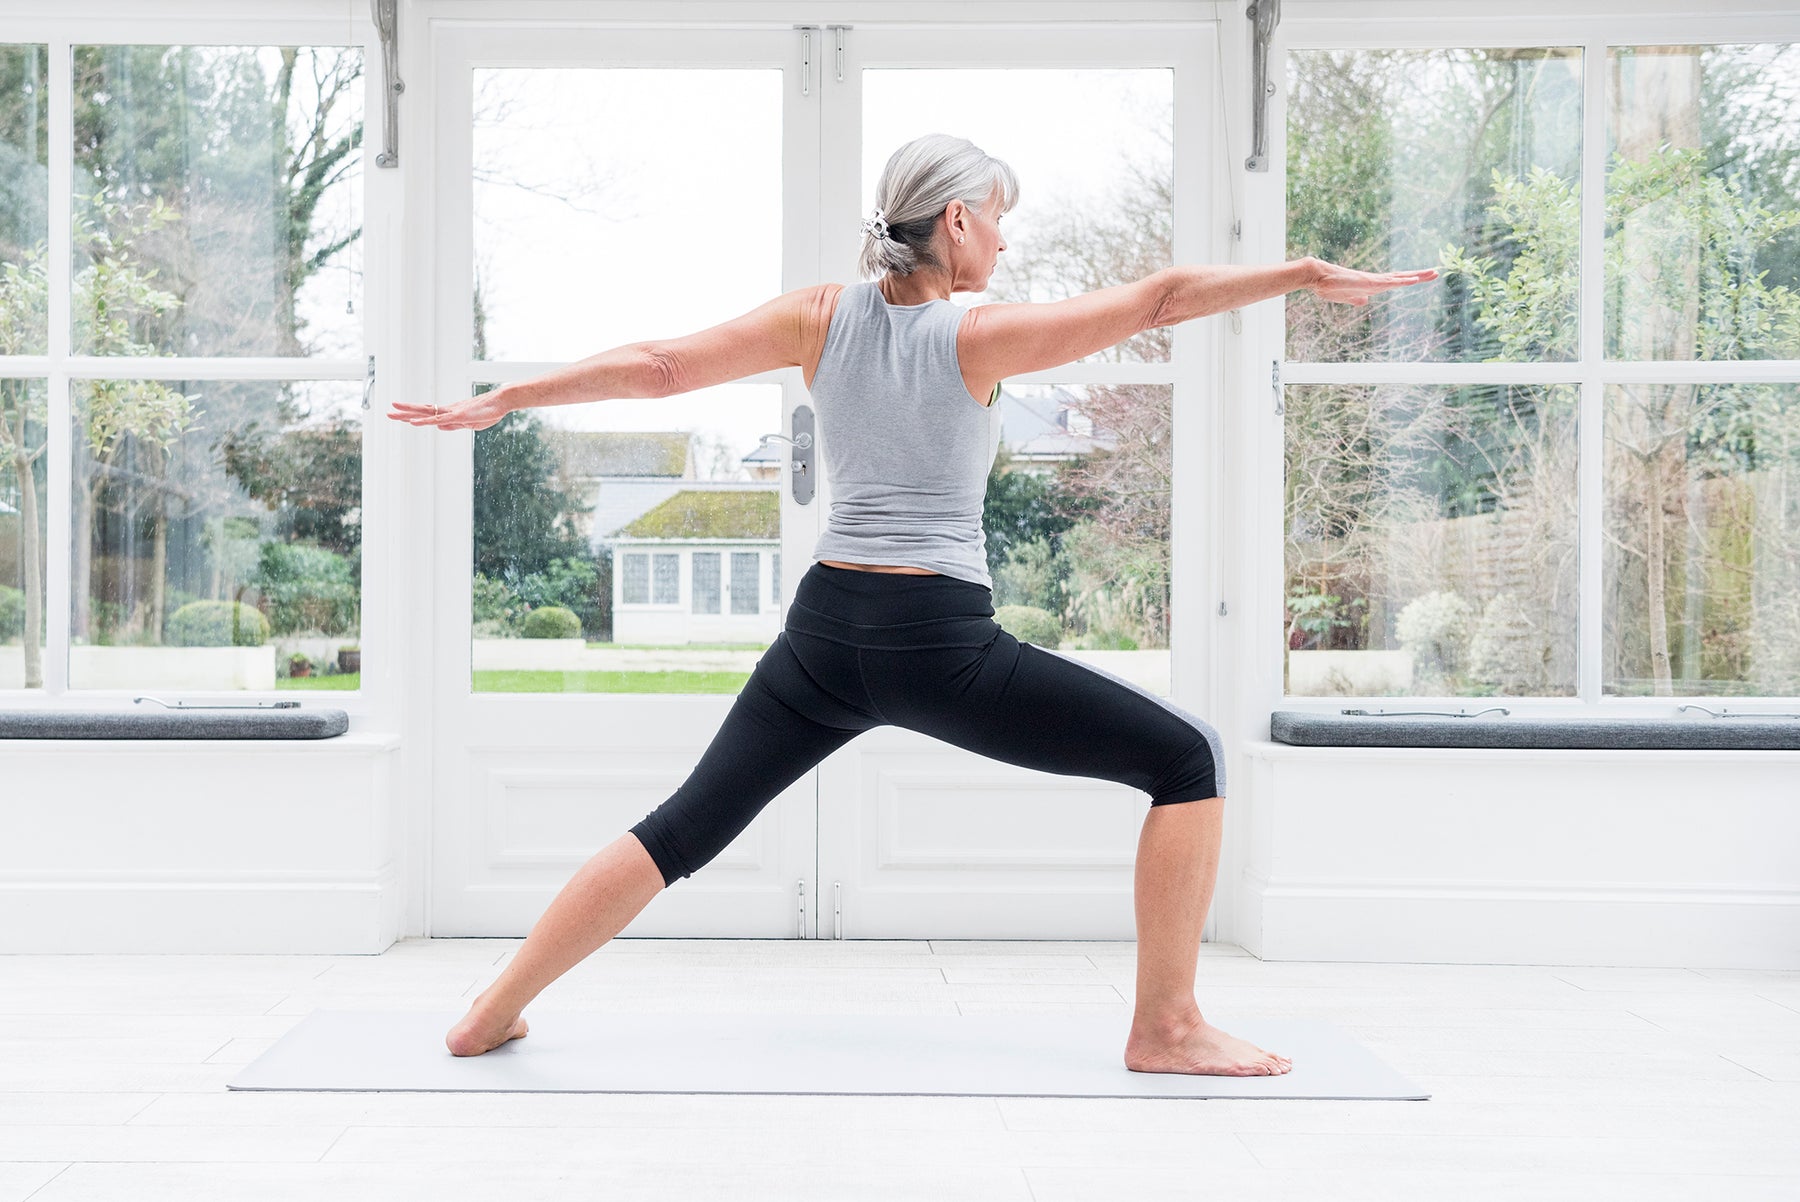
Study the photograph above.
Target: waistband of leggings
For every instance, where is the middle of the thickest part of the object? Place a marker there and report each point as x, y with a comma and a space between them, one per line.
892, 609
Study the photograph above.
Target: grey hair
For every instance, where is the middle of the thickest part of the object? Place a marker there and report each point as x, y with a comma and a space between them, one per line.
917, 185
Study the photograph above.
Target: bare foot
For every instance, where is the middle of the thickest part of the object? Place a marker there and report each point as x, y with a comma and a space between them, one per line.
482, 1031
1198, 1047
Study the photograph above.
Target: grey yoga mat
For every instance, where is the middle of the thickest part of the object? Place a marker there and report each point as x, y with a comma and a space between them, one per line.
1012, 1055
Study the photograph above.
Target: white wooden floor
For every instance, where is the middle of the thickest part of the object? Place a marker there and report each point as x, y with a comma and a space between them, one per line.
1549, 1083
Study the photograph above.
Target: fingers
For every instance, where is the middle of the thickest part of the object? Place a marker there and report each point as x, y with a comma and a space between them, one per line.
420, 415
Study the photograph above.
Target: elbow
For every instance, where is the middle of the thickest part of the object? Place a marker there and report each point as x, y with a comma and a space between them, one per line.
660, 371
1165, 286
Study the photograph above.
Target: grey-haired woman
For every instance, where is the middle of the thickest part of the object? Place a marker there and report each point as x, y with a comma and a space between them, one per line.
893, 622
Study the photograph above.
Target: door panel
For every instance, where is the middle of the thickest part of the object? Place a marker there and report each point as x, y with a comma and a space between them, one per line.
919, 838
749, 160
613, 569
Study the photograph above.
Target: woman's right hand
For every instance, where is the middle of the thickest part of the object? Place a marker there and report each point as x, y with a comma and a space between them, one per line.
1351, 287
476, 413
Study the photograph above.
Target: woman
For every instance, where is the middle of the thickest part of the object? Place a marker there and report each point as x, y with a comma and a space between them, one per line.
893, 622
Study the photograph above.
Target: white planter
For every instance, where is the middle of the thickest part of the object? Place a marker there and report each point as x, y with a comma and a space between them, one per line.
562, 655
1350, 673
154, 667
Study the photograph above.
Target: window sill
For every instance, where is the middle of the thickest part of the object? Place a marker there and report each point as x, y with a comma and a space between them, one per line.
316, 724
1293, 728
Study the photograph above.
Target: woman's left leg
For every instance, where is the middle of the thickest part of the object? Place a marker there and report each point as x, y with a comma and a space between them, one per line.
1021, 704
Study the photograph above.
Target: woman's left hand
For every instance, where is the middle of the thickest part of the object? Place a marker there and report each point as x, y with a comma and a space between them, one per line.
476, 413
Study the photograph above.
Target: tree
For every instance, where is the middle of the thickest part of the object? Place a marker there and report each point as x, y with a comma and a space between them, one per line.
522, 519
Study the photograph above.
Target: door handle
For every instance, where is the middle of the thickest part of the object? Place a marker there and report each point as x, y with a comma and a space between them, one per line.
801, 457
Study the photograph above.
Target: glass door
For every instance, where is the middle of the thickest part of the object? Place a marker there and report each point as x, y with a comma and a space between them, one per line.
609, 572
1100, 462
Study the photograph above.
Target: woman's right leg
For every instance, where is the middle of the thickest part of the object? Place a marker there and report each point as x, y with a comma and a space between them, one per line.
781, 725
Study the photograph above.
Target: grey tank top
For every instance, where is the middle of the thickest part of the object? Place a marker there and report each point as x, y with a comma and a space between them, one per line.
907, 450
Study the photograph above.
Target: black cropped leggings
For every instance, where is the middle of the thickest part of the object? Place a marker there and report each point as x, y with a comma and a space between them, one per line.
868, 649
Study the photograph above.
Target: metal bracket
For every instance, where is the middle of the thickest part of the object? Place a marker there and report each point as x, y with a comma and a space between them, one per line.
244, 705
806, 32
387, 25
1264, 16
368, 381
840, 48
1275, 386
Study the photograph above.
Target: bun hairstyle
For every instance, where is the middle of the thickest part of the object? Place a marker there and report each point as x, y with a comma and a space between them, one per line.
917, 185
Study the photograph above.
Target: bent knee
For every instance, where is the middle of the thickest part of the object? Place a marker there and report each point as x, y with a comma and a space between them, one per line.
1197, 774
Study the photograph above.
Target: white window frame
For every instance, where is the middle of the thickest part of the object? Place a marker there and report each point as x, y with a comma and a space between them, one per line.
197, 22
1321, 25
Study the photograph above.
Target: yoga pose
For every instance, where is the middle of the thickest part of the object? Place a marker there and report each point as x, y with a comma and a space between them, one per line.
892, 624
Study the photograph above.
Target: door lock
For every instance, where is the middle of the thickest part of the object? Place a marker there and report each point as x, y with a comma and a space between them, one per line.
801, 457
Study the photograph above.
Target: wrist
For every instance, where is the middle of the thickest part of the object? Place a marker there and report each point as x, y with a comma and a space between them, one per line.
1309, 271
512, 396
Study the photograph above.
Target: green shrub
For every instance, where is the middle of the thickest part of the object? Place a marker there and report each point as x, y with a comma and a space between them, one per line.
494, 601
1029, 624
307, 588
217, 624
12, 612
552, 622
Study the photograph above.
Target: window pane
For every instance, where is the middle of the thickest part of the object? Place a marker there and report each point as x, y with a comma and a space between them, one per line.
1077, 521
24, 199
24, 526
562, 200
668, 579
637, 580
1702, 540
1467, 159
1703, 202
706, 582
217, 534
217, 200
536, 573
1094, 153
745, 571
586, 230
1431, 545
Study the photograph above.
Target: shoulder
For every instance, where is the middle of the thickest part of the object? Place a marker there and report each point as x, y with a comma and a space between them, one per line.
814, 306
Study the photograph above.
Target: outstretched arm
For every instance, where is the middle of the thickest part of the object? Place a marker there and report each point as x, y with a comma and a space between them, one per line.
767, 338
1003, 339
1200, 291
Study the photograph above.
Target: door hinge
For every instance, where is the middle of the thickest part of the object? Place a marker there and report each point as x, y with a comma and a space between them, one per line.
837, 909
1275, 385
800, 885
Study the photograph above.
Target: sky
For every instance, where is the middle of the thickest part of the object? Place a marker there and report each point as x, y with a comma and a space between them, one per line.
616, 205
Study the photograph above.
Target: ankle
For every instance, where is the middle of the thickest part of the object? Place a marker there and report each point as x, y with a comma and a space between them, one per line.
492, 1007
1168, 1018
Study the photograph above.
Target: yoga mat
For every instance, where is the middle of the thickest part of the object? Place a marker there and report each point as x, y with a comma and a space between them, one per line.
1008, 1055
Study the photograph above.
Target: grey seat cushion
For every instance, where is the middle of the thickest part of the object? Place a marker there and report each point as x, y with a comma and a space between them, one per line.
300, 723
1356, 730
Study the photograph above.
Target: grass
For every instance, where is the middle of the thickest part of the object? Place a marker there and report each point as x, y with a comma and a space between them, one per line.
554, 682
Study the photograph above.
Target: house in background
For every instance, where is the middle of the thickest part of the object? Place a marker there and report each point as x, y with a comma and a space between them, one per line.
699, 561
702, 567
1042, 430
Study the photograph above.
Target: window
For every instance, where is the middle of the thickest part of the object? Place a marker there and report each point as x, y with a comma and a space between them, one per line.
668, 579
198, 328
1447, 534
746, 571
706, 582
636, 581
